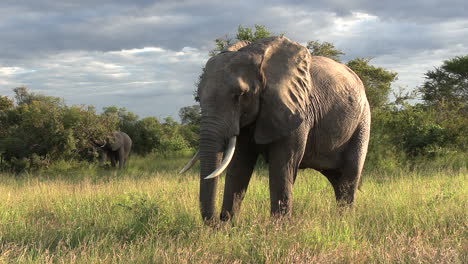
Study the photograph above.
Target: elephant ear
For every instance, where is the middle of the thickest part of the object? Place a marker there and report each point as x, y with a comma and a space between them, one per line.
113, 141
286, 77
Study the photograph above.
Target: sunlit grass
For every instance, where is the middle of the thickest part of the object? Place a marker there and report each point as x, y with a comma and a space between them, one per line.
149, 214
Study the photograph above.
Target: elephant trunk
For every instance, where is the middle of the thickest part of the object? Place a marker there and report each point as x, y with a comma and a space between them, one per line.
211, 147
209, 161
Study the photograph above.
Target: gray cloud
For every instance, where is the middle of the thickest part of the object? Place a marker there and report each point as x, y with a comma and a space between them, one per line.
146, 55
124, 78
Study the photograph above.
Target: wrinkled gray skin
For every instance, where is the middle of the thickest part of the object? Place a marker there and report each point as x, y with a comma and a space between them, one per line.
116, 148
297, 110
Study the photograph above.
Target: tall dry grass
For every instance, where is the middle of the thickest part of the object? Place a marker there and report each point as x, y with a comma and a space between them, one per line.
149, 214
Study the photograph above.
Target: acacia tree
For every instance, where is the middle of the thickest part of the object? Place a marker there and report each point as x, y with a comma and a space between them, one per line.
190, 115
243, 33
447, 83
325, 49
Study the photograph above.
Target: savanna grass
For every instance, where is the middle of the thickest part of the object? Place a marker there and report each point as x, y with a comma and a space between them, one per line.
149, 214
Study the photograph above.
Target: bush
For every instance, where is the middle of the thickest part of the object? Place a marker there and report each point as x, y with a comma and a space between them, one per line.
401, 136
42, 129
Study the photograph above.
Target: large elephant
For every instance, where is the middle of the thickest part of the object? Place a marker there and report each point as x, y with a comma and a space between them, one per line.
271, 97
116, 147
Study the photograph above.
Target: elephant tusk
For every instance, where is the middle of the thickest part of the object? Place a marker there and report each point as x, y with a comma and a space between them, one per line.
227, 159
190, 164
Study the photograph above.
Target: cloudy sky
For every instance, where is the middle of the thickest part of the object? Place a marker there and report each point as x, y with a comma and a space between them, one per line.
146, 55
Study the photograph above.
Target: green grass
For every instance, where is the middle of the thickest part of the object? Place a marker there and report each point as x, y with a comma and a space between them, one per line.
78, 213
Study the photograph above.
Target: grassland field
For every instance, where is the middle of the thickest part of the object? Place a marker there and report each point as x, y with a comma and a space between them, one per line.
147, 213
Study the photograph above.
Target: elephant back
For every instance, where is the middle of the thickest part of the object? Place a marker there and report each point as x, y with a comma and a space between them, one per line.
237, 46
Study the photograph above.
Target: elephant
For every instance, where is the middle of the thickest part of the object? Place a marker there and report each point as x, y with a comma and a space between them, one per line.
116, 147
273, 98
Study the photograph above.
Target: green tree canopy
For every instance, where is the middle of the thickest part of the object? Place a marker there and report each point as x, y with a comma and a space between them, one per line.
5, 103
243, 33
41, 129
376, 80
126, 119
146, 135
325, 49
24, 96
190, 115
448, 83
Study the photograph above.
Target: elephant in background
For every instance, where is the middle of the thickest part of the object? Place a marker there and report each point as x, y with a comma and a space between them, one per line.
116, 147
272, 98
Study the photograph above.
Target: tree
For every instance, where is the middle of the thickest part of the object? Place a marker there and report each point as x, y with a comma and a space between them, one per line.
84, 124
42, 129
24, 96
376, 80
243, 33
448, 83
127, 120
5, 103
147, 135
191, 118
325, 49
190, 115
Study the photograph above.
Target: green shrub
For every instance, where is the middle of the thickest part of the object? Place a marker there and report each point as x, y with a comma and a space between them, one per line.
403, 136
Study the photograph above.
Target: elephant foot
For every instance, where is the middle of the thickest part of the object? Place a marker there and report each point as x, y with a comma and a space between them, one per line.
281, 210
345, 194
212, 222
225, 216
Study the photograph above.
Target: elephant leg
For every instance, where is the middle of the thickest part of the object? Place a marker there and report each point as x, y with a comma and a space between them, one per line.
343, 186
345, 180
121, 157
112, 158
238, 176
237, 181
284, 158
125, 160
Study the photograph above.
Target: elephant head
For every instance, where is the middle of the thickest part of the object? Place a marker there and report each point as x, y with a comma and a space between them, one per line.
116, 147
110, 142
256, 85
